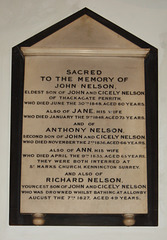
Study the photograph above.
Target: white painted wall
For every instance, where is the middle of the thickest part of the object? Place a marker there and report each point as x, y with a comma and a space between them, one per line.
21, 19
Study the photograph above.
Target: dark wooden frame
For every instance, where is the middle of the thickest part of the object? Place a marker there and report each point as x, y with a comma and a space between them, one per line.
151, 86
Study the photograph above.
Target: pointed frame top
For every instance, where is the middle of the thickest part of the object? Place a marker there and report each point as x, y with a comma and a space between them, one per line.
85, 11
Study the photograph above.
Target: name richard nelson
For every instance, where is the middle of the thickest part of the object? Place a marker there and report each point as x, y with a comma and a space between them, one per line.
76, 180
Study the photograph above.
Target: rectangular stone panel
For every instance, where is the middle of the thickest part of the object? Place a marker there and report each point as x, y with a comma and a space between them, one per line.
84, 135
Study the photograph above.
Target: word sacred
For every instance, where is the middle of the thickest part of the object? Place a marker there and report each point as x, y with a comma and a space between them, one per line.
84, 72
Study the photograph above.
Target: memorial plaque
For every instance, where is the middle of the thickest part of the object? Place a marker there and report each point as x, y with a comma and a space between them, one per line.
86, 143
